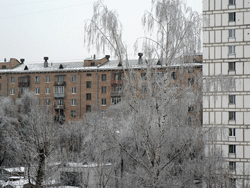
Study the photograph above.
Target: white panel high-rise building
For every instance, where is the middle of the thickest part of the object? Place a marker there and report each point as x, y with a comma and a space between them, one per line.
226, 51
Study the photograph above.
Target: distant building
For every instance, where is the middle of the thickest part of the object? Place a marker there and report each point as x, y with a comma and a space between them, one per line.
226, 51
75, 88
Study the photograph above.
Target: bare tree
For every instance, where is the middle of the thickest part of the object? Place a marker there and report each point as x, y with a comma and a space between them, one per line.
35, 135
174, 30
104, 30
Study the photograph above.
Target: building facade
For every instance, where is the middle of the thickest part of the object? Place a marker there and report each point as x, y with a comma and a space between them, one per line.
226, 54
75, 88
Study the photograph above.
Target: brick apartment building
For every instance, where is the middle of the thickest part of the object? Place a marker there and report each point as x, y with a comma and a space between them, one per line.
74, 88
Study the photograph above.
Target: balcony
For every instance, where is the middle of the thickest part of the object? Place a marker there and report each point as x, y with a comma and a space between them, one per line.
59, 107
59, 95
24, 81
60, 83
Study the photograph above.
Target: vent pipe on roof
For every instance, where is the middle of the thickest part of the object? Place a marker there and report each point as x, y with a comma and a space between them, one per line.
26, 67
22, 60
140, 58
94, 56
4, 59
46, 61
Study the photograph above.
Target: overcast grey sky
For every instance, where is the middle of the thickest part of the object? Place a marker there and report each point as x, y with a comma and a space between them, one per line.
32, 29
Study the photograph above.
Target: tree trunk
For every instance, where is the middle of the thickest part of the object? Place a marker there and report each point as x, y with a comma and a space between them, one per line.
41, 168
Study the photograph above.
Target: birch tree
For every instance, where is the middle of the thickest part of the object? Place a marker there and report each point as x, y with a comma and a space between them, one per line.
174, 30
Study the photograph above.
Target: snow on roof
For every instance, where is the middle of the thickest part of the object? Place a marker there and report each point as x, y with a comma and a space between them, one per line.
72, 66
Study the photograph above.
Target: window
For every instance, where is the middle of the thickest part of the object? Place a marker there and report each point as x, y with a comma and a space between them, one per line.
73, 102
232, 182
232, 148
73, 90
73, 113
232, 16
12, 80
190, 70
231, 115
88, 74
190, 81
104, 89
12, 91
231, 2
37, 91
88, 84
231, 66
232, 165
104, 102
47, 102
60, 102
88, 108
4, 67
37, 79
143, 76
23, 90
231, 50
0, 77
231, 99
60, 78
47, 90
73, 78
231, 131
92, 64
115, 100
173, 75
117, 76
191, 108
104, 77
231, 33
12, 114
88, 96
0, 86
47, 79
59, 89
144, 89
12, 102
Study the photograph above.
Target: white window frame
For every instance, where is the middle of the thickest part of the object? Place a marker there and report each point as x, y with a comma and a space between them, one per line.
232, 115
37, 79
231, 2
47, 90
37, 91
59, 89
231, 50
231, 33
104, 102
232, 15
47, 79
115, 100
47, 102
233, 149
73, 113
73, 90
73, 78
73, 102
12, 91
60, 102
12, 80
231, 99
104, 77
232, 132
231, 66
232, 165
104, 89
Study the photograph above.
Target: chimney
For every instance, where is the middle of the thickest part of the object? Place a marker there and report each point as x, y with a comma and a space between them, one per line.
140, 58
94, 56
107, 57
22, 60
46, 61
4, 59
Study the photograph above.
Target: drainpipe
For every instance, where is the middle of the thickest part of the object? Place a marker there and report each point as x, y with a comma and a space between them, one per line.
6, 84
97, 89
79, 93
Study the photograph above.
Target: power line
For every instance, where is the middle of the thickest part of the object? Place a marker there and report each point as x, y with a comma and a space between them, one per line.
46, 10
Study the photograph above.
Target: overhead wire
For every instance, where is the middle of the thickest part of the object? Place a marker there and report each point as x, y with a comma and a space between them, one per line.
32, 13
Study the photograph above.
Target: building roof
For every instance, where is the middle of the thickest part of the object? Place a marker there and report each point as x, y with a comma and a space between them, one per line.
73, 66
